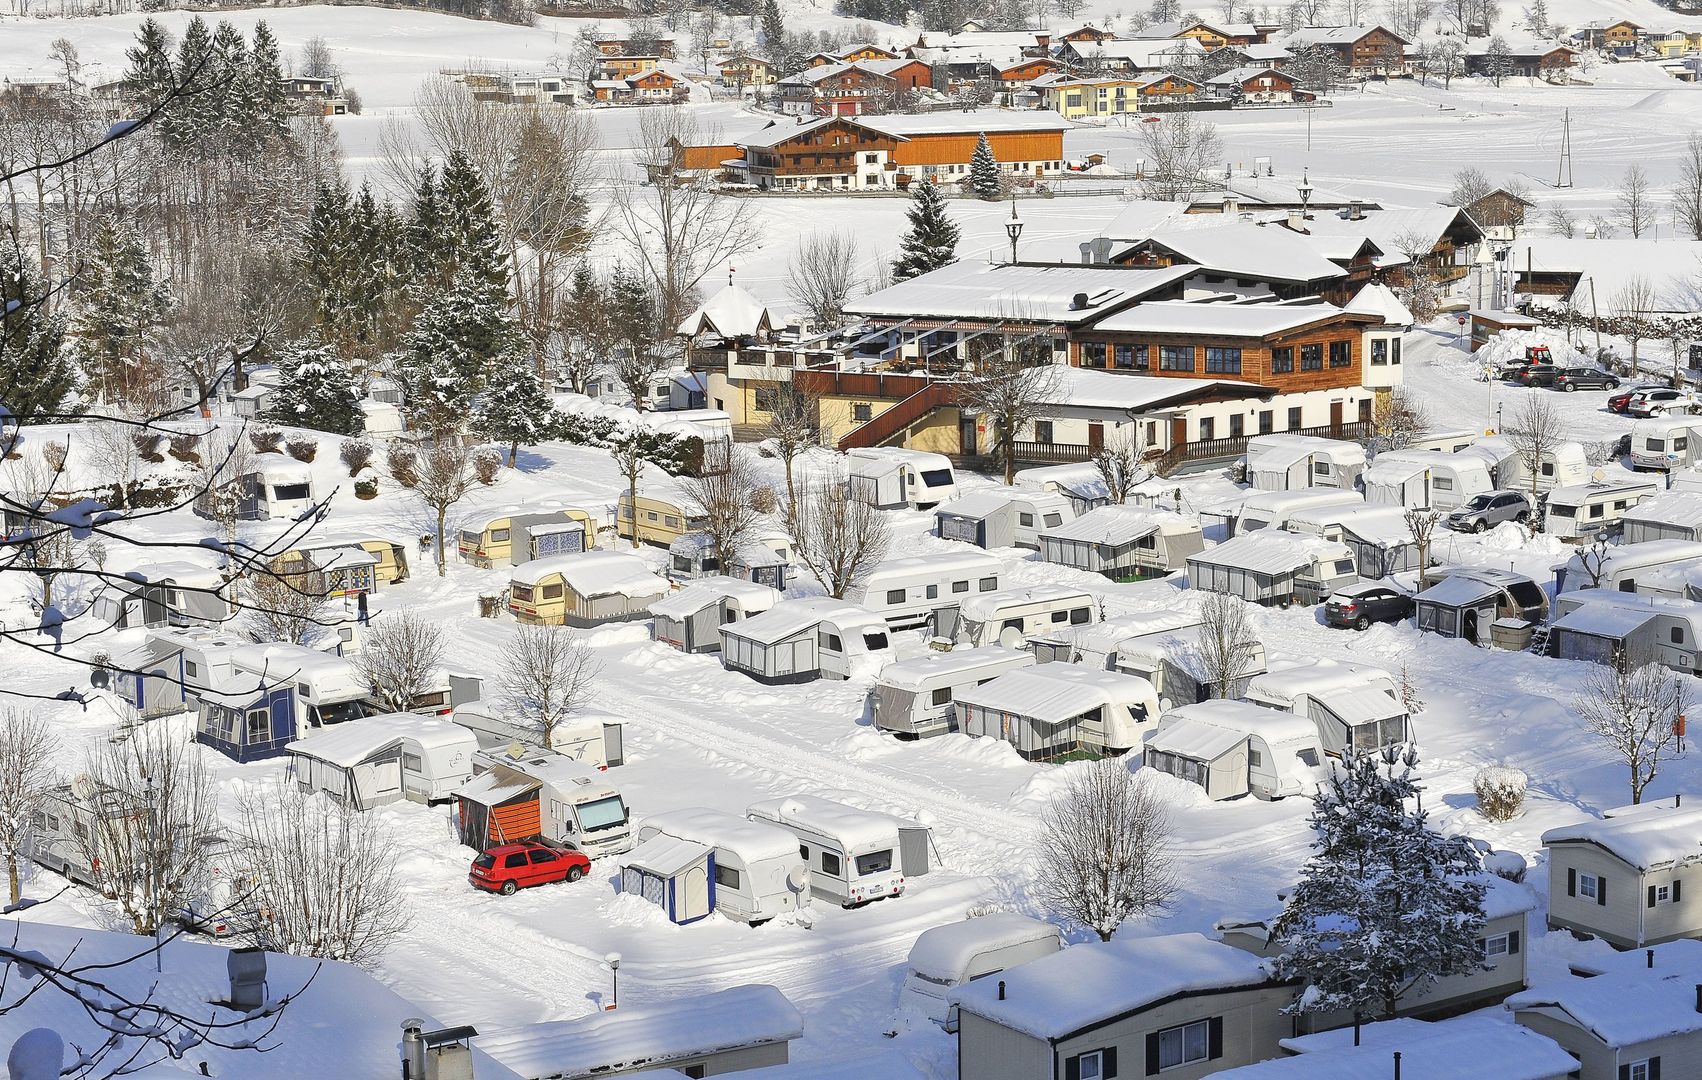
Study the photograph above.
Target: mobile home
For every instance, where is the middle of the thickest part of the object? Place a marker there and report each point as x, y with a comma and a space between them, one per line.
759, 872
587, 589
1284, 462
889, 477
1671, 515
854, 856
328, 689
1618, 877
537, 793
917, 698
1628, 567
67, 834
1081, 485
800, 640
1666, 442
510, 538
693, 556
168, 671
1124, 543
1275, 509
382, 759
589, 736
1011, 517
1010, 616
956, 954
1234, 748
1273, 568
1609, 627
1096, 646
1349, 704
335, 569
661, 514
1581, 511
1053, 710
907, 592
1424, 478
690, 619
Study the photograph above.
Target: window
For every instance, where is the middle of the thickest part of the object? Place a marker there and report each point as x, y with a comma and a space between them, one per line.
1341, 354
500, 536
259, 725
942, 696
412, 763
1443, 483
767, 400
1663, 894
1052, 521
1176, 357
1094, 1065
1267, 421
1025, 520
1495, 946
1282, 360
1394, 350
1294, 418
988, 584
830, 864
537, 857
1589, 886
1185, 1044
875, 862
1080, 616
1678, 635
1043, 431
1255, 759
1093, 354
895, 596
514, 861
726, 877
960, 586
1642, 1070
862, 412
1132, 357
1311, 358
1223, 361
1208, 429
550, 592
829, 641
190, 669
1379, 352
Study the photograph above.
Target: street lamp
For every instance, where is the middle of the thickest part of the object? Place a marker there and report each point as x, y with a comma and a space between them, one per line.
1305, 189
1013, 229
614, 962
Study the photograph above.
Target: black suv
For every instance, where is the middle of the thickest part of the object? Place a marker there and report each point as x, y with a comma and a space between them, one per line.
1583, 378
1361, 605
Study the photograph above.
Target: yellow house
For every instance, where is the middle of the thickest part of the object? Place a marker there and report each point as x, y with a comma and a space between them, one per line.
1678, 42
1078, 98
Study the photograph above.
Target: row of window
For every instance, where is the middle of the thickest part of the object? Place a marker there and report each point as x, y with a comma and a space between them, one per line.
986, 584
1224, 360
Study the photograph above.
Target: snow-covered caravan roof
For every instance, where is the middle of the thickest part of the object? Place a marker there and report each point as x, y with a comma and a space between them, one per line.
922, 672
665, 855
1083, 481
751, 597
186, 574
1622, 1010
1271, 725
1578, 494
348, 744
942, 562
279, 661
1668, 508
921, 459
1399, 466
982, 504
1458, 1049
1118, 525
1280, 450
1361, 705
1271, 551
1307, 498
984, 606
1314, 677
795, 616
1647, 841
1383, 525
1458, 592
1052, 693
944, 952
750, 840
595, 573
974, 289
852, 826
1114, 632
1078, 988
887, 1065
1194, 739
1604, 620
659, 1031
278, 469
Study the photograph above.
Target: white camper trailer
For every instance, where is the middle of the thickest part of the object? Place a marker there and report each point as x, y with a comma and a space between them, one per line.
276, 487
1096, 646
1234, 748
1172, 660
1559, 465
328, 689
1124, 543
1610, 627
382, 759
949, 956
1053, 710
1009, 617
800, 640
907, 592
1080, 484
889, 477
855, 856
916, 698
1008, 517
1628, 567
1285, 462
1424, 478
1579, 512
1666, 442
165, 594
1671, 515
589, 736
1272, 568
1275, 509
759, 872
690, 619
1350, 704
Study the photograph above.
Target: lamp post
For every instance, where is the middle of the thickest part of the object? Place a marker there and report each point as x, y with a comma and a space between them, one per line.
1013, 229
614, 962
1305, 189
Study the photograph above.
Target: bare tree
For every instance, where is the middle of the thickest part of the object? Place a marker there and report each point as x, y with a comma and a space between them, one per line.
547, 672
1105, 849
632, 450
838, 537
1536, 431
1632, 303
1177, 152
1012, 382
1447, 58
289, 603
821, 275
1119, 466
1594, 558
150, 805
1226, 645
726, 498
1561, 221
1421, 525
1634, 709
1687, 196
1398, 418
323, 871
399, 658
227, 458
28, 746
1470, 185
444, 474
794, 425
1635, 208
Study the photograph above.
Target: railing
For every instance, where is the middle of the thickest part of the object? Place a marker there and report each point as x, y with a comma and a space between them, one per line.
895, 420
1049, 453
1236, 445
860, 384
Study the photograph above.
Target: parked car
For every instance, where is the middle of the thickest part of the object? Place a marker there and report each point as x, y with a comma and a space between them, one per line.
1659, 402
1361, 605
1619, 401
1537, 375
1489, 510
519, 866
1583, 378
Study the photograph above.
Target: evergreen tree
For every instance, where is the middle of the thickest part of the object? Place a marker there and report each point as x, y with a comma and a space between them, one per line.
931, 240
774, 33
425, 225
35, 376
230, 98
473, 245
516, 409
149, 76
325, 255
1386, 906
316, 390
191, 120
266, 81
118, 304
448, 355
984, 171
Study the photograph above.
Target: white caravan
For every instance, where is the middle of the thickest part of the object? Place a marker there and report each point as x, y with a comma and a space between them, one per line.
907, 592
1581, 511
1011, 616
1285, 462
382, 759
916, 698
758, 871
1666, 442
949, 956
328, 689
890, 477
1274, 509
853, 854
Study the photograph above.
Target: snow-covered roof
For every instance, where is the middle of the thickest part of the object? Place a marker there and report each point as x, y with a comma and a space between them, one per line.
1196, 739
1459, 592
1503, 898
348, 744
1667, 265
650, 1032
731, 313
1271, 551
1604, 620
1227, 319
1119, 524
1381, 301
1117, 631
888, 1065
1669, 508
853, 826
1647, 841
1332, 35
281, 661
944, 952
1360, 705
917, 672
1249, 250
1576, 494
1083, 480
497, 784
1139, 52
1087, 985
277, 469
750, 840
973, 561
981, 121
595, 573
795, 616
1457, 1049
1237, 75
1087, 388
1621, 1010
1314, 677
1681, 952
1385, 526
983, 606
973, 289
664, 855
1244, 718
982, 504
1053, 693
1299, 499
710, 592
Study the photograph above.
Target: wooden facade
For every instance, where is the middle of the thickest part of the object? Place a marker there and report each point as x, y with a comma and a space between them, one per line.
1009, 147
829, 149
1210, 37
1326, 355
747, 71
867, 52
851, 91
1020, 74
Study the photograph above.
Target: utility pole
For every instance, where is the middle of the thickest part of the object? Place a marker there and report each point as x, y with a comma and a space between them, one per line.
1563, 175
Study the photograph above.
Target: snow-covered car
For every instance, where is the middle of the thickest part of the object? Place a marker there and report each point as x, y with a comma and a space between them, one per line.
1660, 401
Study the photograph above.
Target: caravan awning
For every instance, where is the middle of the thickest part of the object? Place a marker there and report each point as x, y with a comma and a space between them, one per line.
348, 744
1197, 741
1458, 592
1604, 620
497, 785
1363, 705
664, 855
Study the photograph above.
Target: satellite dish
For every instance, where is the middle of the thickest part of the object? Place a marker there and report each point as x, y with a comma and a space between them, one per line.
1010, 637
1164, 704
83, 786
798, 879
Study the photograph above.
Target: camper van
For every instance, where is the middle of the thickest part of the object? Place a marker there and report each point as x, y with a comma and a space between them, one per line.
510, 538
1285, 462
519, 793
661, 514
1580, 512
916, 698
690, 619
328, 689
1666, 442
1445, 442
890, 477
1052, 710
855, 856
1349, 704
382, 759
1626, 567
1233, 748
759, 872
1010, 616
953, 955
67, 836
589, 736
1123, 543
587, 589
800, 640
907, 592
1274, 509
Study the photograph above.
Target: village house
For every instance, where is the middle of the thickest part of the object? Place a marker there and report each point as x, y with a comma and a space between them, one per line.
1621, 877
1363, 50
1532, 58
866, 51
747, 70
1210, 36
883, 152
865, 86
1017, 75
1254, 84
1087, 32
1082, 97
322, 96
1639, 1021
1620, 38
1142, 56
1677, 42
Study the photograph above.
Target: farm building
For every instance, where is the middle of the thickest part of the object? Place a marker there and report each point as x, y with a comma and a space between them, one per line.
1054, 710
1273, 568
1124, 543
586, 589
690, 619
800, 640
383, 759
1233, 748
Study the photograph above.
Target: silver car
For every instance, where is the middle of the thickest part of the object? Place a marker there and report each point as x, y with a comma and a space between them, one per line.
1489, 510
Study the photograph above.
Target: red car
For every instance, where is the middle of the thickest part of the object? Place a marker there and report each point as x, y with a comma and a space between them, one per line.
518, 866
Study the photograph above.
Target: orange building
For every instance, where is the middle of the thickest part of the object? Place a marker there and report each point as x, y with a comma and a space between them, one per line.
883, 152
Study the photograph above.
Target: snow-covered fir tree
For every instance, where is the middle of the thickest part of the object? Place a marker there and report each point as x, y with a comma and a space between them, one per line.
266, 75
984, 170
470, 244
316, 389
516, 410
148, 78
38, 375
118, 304
447, 357
931, 240
1386, 906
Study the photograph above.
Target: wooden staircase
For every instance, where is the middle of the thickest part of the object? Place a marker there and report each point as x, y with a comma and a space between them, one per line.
895, 421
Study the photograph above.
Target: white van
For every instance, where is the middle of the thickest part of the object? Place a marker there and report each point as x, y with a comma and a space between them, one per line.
914, 698
907, 592
1666, 442
1581, 511
758, 871
889, 477
1010, 616
853, 855
949, 956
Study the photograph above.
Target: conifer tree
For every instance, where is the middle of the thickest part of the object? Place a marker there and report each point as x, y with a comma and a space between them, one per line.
325, 247
118, 304
35, 376
984, 171
516, 409
316, 390
931, 240
189, 122
632, 311
266, 79
149, 76
470, 236
230, 97
1386, 906
425, 225
450, 351
774, 34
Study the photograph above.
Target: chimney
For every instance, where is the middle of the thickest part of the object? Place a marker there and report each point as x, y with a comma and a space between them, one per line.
1297, 220
1231, 205
1078, 302
1002, 990
1086, 252
247, 970
1678, 800
413, 1050
1397, 1065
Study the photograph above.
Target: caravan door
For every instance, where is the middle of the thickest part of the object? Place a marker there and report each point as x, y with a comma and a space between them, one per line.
377, 781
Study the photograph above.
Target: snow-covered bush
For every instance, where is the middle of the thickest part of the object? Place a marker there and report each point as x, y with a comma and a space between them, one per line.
54, 454
1506, 864
487, 464
763, 500
303, 450
1500, 792
404, 465
183, 448
356, 454
1411, 699
366, 487
266, 439
148, 445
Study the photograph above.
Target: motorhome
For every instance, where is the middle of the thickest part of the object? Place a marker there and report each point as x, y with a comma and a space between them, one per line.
1671, 515
589, 736
76, 822
511, 538
275, 487
167, 673
1234, 748
916, 698
855, 856
1627, 567
955, 954
1582, 511
661, 514
1275, 509
382, 759
1666, 442
800, 640
690, 619
1273, 568
1284, 462
328, 689
523, 794
587, 589
1010, 616
890, 477
907, 592
1124, 543
1081, 484
1053, 710
759, 872
1350, 704
1423, 478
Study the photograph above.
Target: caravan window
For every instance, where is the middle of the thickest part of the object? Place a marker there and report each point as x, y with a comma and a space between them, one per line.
942, 696
1080, 616
1025, 520
875, 862
895, 596
1060, 616
1344, 566
830, 864
933, 592
259, 725
874, 640
290, 492
1443, 483
670, 521
190, 669
1596, 510
1052, 521
988, 584
1559, 510
550, 592
499, 536
412, 762
726, 877
829, 642
936, 477
1656, 444
682, 563
959, 586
